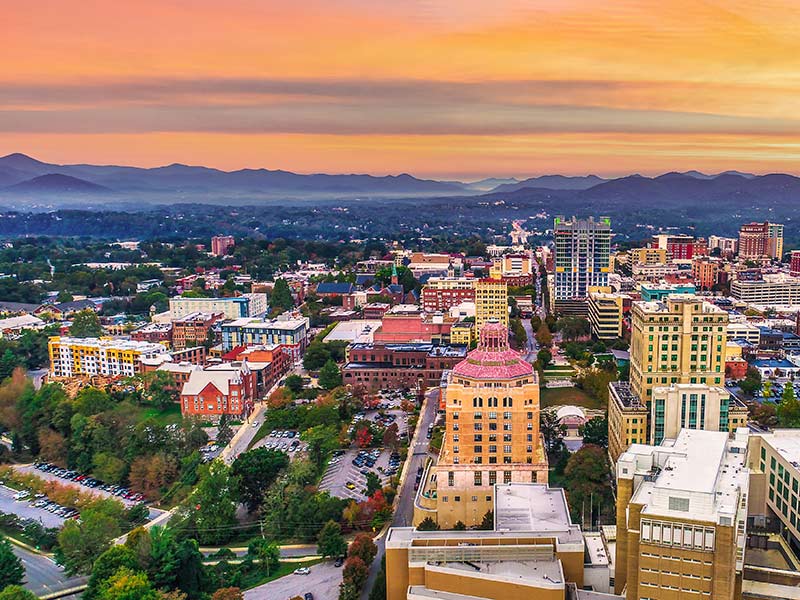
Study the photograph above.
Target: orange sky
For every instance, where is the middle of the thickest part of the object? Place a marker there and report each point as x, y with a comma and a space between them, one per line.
442, 88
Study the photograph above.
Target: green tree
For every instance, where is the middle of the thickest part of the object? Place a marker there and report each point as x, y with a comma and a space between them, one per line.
321, 440
428, 524
788, 411
329, 376
212, 507
586, 480
317, 354
11, 570
254, 471
487, 522
281, 298
460, 526
108, 467
331, 542
106, 565
373, 483
267, 553
81, 543
552, 431
224, 431
544, 357
595, 431
294, 383
86, 324
16, 592
126, 584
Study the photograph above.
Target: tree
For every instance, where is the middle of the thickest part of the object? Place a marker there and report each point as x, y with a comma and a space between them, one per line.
150, 475
788, 411
460, 526
126, 584
162, 389
363, 547
586, 479
428, 524
487, 522
224, 431
107, 565
281, 299
16, 592
267, 553
212, 507
391, 438
543, 336
752, 381
80, 543
355, 571
294, 383
347, 591
321, 440
254, 471
11, 570
52, 446
764, 413
363, 436
317, 354
544, 357
329, 376
108, 467
373, 483
86, 324
595, 431
228, 593
330, 542
552, 431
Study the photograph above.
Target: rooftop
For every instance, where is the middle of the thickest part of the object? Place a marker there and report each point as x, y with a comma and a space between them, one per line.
493, 359
111, 344
289, 324
532, 507
357, 330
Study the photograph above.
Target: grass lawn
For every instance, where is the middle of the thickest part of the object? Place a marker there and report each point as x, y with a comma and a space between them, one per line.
171, 414
568, 396
284, 569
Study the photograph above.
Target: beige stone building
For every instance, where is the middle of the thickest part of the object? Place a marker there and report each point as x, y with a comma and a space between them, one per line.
491, 302
491, 433
606, 313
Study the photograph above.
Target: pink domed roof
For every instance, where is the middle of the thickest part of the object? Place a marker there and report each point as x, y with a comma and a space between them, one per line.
493, 359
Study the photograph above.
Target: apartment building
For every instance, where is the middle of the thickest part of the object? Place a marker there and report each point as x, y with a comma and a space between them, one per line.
582, 260
682, 517
247, 305
659, 291
649, 256
220, 244
286, 330
491, 401
491, 302
440, 294
85, 357
727, 246
705, 272
680, 248
606, 311
160, 333
761, 241
772, 290
533, 551
192, 330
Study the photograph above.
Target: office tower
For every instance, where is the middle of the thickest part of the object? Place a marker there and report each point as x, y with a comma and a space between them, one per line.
681, 518
606, 312
761, 241
582, 260
491, 400
491, 302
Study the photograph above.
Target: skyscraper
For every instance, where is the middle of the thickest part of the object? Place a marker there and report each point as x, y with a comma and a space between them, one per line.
582, 260
761, 241
491, 302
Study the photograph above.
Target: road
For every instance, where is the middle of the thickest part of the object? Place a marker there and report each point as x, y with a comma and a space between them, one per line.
404, 502
532, 347
42, 575
323, 582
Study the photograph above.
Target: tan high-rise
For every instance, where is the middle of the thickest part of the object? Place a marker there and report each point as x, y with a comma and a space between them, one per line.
491, 302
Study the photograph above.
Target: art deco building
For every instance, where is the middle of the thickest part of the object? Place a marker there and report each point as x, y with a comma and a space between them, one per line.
491, 400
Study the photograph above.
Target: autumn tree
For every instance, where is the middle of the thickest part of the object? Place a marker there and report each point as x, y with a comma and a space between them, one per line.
127, 584
228, 593
363, 547
52, 447
543, 336
149, 475
355, 571
391, 438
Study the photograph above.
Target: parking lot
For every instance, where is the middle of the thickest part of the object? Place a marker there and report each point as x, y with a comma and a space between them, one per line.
24, 509
323, 582
284, 441
86, 484
346, 475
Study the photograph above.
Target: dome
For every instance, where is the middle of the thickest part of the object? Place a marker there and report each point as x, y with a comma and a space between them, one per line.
570, 412
493, 359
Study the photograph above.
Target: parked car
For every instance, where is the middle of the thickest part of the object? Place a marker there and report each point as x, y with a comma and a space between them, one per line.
302, 571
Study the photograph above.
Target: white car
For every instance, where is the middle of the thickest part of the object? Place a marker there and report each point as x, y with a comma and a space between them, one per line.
302, 571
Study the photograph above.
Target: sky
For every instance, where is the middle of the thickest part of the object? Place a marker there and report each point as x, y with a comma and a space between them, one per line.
438, 88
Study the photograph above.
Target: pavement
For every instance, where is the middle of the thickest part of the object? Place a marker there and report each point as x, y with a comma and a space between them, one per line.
31, 470
339, 473
25, 511
42, 575
323, 582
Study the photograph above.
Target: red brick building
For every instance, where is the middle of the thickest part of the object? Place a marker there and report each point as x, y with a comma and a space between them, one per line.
223, 389
405, 323
192, 330
436, 299
157, 333
220, 244
269, 363
794, 265
735, 368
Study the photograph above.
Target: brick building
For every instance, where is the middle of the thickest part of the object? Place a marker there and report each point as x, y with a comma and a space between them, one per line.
192, 330
224, 389
220, 244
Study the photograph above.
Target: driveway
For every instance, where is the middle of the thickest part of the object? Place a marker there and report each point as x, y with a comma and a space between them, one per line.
25, 511
323, 582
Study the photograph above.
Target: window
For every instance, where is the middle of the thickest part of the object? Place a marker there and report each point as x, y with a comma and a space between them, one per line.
492, 477
451, 479
506, 476
478, 477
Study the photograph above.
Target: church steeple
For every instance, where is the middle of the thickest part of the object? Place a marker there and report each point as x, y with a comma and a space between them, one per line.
394, 274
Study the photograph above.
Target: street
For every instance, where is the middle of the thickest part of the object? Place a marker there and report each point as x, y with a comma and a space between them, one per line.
42, 575
323, 581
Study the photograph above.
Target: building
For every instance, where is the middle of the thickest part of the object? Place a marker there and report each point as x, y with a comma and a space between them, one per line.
680, 340
491, 436
440, 294
794, 264
628, 417
659, 291
86, 357
705, 272
462, 333
193, 329
693, 406
727, 246
532, 551
12, 326
682, 518
761, 241
247, 305
268, 364
650, 256
606, 312
286, 330
775, 290
491, 302
513, 269
220, 244
744, 331
680, 248
160, 333
334, 289
411, 365
227, 389
407, 323
582, 260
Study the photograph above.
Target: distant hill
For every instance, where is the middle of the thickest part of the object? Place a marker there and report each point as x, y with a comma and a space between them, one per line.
552, 182
491, 183
56, 183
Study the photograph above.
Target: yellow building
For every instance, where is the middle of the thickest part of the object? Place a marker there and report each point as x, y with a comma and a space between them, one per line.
681, 518
650, 256
532, 552
462, 333
491, 302
605, 313
78, 357
491, 400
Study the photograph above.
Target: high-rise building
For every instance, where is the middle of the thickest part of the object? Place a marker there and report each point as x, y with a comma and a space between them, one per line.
679, 247
220, 244
491, 302
681, 340
727, 246
794, 265
705, 272
286, 330
85, 357
491, 401
582, 260
246, 305
761, 241
682, 517
606, 313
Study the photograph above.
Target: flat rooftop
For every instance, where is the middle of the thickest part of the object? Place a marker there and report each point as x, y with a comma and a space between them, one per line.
531, 572
786, 443
355, 331
533, 507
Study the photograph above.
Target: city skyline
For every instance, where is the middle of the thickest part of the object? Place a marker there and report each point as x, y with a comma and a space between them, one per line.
513, 89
